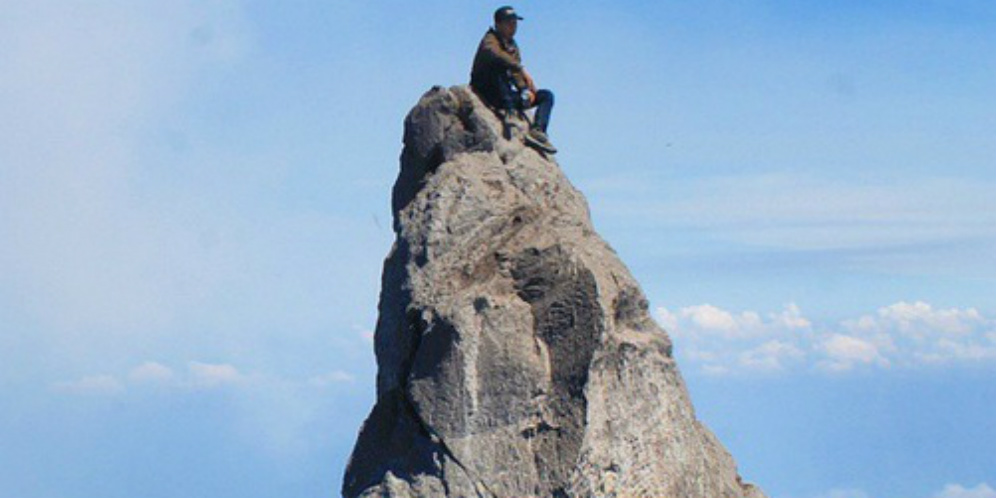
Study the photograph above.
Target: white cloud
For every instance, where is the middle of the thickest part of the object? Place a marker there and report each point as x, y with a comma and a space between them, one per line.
276, 413
151, 372
845, 493
199, 375
771, 356
709, 318
331, 378
94, 384
209, 375
983, 490
791, 318
844, 352
919, 318
723, 342
668, 320
917, 333
901, 335
715, 370
809, 213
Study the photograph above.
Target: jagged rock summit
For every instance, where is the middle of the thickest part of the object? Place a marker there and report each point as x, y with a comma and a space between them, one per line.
516, 355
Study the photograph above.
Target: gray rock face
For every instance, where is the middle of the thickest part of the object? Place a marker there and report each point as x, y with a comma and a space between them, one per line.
516, 355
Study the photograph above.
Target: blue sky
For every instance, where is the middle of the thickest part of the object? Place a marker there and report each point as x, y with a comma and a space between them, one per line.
194, 208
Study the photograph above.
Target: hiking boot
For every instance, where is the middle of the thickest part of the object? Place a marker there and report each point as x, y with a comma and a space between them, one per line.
538, 139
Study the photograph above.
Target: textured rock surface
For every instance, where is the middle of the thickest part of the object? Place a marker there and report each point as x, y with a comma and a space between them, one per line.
515, 351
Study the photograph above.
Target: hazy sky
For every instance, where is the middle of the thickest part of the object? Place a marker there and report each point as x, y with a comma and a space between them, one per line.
194, 209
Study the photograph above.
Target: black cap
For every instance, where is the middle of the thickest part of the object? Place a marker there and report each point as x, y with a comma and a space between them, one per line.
504, 13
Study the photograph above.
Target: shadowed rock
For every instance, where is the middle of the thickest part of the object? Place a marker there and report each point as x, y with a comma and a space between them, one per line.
516, 355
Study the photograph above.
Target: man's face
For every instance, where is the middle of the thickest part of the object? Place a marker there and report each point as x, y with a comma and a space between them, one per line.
508, 27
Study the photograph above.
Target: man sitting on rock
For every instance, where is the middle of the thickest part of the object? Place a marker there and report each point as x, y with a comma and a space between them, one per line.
499, 78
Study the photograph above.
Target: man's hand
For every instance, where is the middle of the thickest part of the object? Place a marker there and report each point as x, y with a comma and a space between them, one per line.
530, 84
530, 87
532, 97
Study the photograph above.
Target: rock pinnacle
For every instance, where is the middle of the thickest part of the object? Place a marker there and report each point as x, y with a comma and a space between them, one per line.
516, 354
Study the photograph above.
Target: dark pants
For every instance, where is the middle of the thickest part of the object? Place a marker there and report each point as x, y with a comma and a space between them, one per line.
512, 100
544, 105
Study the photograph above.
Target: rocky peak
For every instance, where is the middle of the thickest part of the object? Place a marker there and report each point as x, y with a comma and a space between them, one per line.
516, 355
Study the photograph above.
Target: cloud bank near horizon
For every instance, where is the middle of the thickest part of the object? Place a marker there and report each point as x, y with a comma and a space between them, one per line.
901, 336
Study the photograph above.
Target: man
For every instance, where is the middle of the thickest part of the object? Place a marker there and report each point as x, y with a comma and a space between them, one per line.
499, 78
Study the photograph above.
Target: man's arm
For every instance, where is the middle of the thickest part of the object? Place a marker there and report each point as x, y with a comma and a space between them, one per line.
492, 51
530, 85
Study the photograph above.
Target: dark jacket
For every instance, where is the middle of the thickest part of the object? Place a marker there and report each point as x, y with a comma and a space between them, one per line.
495, 58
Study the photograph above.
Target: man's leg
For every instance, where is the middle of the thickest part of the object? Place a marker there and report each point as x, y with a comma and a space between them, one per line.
509, 97
537, 135
509, 103
544, 105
